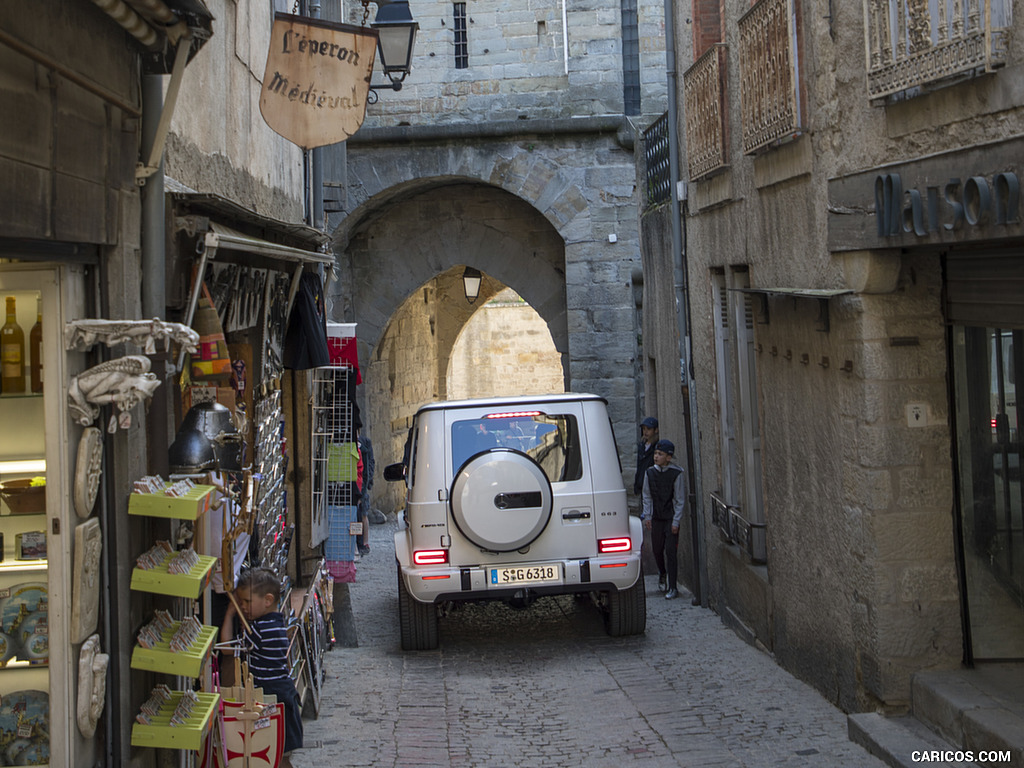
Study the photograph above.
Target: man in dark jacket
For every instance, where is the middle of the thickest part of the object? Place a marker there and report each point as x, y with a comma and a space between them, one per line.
664, 495
645, 451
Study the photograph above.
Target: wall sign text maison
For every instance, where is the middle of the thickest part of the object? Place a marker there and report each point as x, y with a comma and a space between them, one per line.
316, 80
975, 202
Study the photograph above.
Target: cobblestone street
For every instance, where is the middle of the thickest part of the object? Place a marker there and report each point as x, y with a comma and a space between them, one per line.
546, 686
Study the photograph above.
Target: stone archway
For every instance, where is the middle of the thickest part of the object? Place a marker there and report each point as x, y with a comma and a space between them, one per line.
402, 283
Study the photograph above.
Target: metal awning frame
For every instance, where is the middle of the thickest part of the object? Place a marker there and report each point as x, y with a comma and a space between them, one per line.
821, 295
220, 237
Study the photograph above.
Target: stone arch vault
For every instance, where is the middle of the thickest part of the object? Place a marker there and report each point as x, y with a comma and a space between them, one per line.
553, 217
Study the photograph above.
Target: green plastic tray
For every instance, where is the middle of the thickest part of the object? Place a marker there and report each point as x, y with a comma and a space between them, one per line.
188, 663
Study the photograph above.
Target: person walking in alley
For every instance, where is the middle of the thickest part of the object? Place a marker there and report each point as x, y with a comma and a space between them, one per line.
663, 497
645, 451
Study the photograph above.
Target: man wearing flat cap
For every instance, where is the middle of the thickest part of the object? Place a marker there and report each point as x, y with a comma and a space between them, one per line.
645, 451
663, 496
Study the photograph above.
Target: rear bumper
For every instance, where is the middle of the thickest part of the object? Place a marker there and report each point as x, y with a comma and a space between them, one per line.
434, 584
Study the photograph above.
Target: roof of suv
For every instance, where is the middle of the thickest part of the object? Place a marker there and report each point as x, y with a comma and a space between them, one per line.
503, 402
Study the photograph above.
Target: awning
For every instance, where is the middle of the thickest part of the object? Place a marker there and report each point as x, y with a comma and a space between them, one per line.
221, 237
822, 295
801, 293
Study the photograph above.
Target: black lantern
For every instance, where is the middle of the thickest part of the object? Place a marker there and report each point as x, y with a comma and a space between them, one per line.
396, 30
471, 283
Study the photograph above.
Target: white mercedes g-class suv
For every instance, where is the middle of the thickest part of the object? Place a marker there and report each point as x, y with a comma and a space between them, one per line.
512, 499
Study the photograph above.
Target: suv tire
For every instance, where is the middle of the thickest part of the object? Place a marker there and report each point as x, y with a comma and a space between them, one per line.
417, 621
501, 500
627, 610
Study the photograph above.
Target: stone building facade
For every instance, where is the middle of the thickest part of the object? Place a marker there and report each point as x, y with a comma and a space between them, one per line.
508, 149
91, 216
853, 249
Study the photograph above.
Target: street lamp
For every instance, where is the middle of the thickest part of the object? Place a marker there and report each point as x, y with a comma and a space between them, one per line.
396, 31
471, 283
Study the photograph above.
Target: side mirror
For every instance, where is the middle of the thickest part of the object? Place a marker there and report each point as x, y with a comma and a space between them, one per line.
394, 472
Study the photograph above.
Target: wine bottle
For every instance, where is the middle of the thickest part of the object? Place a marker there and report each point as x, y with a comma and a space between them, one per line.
35, 350
12, 352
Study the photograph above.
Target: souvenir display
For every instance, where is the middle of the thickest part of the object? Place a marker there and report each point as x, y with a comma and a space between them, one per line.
30, 545
88, 470
25, 727
25, 497
92, 685
85, 606
125, 381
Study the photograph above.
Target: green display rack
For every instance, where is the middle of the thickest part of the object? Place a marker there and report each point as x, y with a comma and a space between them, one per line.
188, 735
188, 507
159, 581
187, 663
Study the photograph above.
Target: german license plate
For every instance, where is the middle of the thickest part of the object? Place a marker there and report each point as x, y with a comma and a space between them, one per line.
527, 574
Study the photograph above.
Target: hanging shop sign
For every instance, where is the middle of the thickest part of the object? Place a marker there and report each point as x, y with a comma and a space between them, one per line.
317, 79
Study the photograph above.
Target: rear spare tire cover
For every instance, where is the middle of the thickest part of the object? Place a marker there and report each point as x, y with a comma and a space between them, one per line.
501, 500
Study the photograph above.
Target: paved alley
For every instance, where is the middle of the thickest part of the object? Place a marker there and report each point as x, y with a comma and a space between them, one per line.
546, 686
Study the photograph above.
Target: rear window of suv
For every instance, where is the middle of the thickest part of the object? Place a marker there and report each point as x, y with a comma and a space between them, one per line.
553, 441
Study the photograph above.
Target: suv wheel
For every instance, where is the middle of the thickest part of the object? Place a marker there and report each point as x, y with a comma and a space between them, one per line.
501, 500
417, 621
627, 610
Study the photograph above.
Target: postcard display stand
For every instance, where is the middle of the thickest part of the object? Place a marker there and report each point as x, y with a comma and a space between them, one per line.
174, 719
335, 463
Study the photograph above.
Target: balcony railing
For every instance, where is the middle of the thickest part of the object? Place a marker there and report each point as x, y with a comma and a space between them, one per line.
914, 43
658, 163
736, 529
769, 75
704, 103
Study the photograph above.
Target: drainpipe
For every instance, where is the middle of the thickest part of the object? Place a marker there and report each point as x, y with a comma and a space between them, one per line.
154, 297
696, 500
316, 213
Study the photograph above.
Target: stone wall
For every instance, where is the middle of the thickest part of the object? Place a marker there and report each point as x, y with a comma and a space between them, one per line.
504, 349
517, 59
219, 142
859, 590
535, 215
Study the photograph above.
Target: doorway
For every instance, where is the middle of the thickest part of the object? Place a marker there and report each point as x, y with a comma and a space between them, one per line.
988, 366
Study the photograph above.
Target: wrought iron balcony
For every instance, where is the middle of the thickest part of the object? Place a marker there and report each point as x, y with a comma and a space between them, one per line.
657, 154
736, 529
705, 107
769, 75
914, 43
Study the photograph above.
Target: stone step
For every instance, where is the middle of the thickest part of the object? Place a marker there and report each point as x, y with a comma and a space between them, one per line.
979, 709
900, 741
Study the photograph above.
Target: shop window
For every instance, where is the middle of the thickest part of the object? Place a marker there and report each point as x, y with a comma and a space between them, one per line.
987, 364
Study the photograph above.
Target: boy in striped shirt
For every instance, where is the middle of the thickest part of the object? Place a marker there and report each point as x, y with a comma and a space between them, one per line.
258, 592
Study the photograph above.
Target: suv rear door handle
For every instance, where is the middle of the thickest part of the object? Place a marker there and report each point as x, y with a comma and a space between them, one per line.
575, 515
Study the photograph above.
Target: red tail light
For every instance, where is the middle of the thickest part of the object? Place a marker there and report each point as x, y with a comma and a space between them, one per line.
605, 546
430, 557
